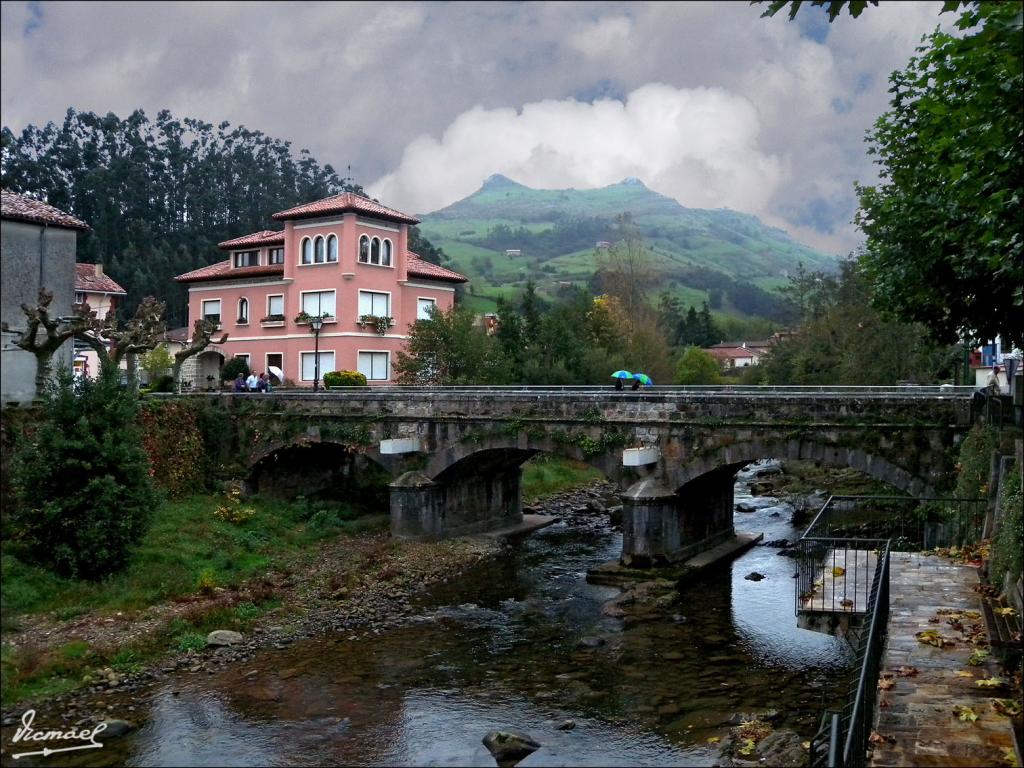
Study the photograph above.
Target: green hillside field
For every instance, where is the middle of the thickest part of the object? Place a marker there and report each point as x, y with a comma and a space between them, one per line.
694, 252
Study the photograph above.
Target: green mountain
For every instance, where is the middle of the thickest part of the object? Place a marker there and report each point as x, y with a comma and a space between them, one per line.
731, 259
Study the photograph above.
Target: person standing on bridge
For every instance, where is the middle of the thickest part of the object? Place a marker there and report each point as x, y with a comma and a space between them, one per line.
993, 382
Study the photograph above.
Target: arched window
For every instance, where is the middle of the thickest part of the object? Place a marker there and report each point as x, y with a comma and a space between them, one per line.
375, 251
243, 310
332, 248
318, 250
364, 249
386, 256
307, 251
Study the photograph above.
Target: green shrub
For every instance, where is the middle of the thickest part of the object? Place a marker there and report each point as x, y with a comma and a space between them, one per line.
1008, 543
163, 383
82, 479
233, 367
344, 379
697, 367
975, 463
190, 641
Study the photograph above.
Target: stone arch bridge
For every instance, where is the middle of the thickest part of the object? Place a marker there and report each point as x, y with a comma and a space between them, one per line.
454, 455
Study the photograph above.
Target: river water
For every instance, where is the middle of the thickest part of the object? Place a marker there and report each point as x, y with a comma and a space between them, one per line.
501, 647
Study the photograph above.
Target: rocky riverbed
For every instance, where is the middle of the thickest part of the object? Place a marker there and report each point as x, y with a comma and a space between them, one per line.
417, 659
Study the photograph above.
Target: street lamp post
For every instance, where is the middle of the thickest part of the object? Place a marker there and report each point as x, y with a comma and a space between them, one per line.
315, 324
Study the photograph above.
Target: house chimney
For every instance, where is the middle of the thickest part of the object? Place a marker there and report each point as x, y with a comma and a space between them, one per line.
99, 270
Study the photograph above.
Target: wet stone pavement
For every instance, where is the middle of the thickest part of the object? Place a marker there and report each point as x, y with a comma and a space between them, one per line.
917, 712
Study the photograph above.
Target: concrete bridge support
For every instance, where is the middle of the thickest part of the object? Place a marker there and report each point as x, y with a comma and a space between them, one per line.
662, 526
462, 503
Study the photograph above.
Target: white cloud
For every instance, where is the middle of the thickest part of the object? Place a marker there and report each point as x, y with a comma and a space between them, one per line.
392, 87
602, 37
698, 145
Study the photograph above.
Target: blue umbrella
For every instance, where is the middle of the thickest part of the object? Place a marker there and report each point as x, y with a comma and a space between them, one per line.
643, 378
622, 375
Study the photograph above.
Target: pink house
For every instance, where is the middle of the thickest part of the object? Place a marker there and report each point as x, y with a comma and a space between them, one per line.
345, 258
102, 293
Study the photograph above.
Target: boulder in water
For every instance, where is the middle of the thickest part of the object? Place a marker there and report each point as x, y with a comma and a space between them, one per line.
508, 747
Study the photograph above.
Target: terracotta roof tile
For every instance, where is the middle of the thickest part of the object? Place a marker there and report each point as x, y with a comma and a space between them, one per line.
345, 202
222, 271
420, 268
265, 237
24, 208
86, 280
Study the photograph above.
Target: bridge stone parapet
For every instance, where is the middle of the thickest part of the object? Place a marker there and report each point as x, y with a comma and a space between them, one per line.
472, 443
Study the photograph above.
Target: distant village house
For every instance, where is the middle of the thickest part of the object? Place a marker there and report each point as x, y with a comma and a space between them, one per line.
38, 248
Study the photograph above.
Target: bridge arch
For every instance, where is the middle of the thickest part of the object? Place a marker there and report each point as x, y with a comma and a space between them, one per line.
737, 454
316, 468
517, 449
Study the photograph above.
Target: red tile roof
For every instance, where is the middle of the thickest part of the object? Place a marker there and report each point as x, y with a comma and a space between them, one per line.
87, 281
345, 202
222, 271
732, 353
420, 268
24, 208
265, 237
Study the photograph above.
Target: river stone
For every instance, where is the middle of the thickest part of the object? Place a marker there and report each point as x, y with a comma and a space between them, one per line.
117, 728
566, 725
754, 576
754, 504
223, 637
592, 642
508, 747
782, 748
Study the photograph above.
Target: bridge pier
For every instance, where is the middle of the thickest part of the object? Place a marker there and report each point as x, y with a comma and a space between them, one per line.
662, 527
488, 499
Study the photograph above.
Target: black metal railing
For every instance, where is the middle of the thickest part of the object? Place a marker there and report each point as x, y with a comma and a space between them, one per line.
911, 524
843, 567
991, 409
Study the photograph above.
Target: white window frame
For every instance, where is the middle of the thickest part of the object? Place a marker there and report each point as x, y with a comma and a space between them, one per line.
431, 299
239, 254
387, 250
375, 241
242, 319
331, 237
275, 296
323, 369
270, 255
245, 356
204, 314
302, 251
333, 315
387, 362
319, 250
79, 297
359, 306
359, 255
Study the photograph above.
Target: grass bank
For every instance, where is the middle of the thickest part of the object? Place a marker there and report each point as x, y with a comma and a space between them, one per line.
207, 562
544, 475
193, 560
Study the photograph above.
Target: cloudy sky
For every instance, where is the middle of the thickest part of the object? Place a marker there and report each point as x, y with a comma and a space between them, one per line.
705, 102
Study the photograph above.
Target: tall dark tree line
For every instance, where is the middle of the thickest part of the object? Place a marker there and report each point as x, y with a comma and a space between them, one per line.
160, 194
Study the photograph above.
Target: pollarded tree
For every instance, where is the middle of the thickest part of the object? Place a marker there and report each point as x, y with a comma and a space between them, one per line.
45, 334
202, 336
943, 226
